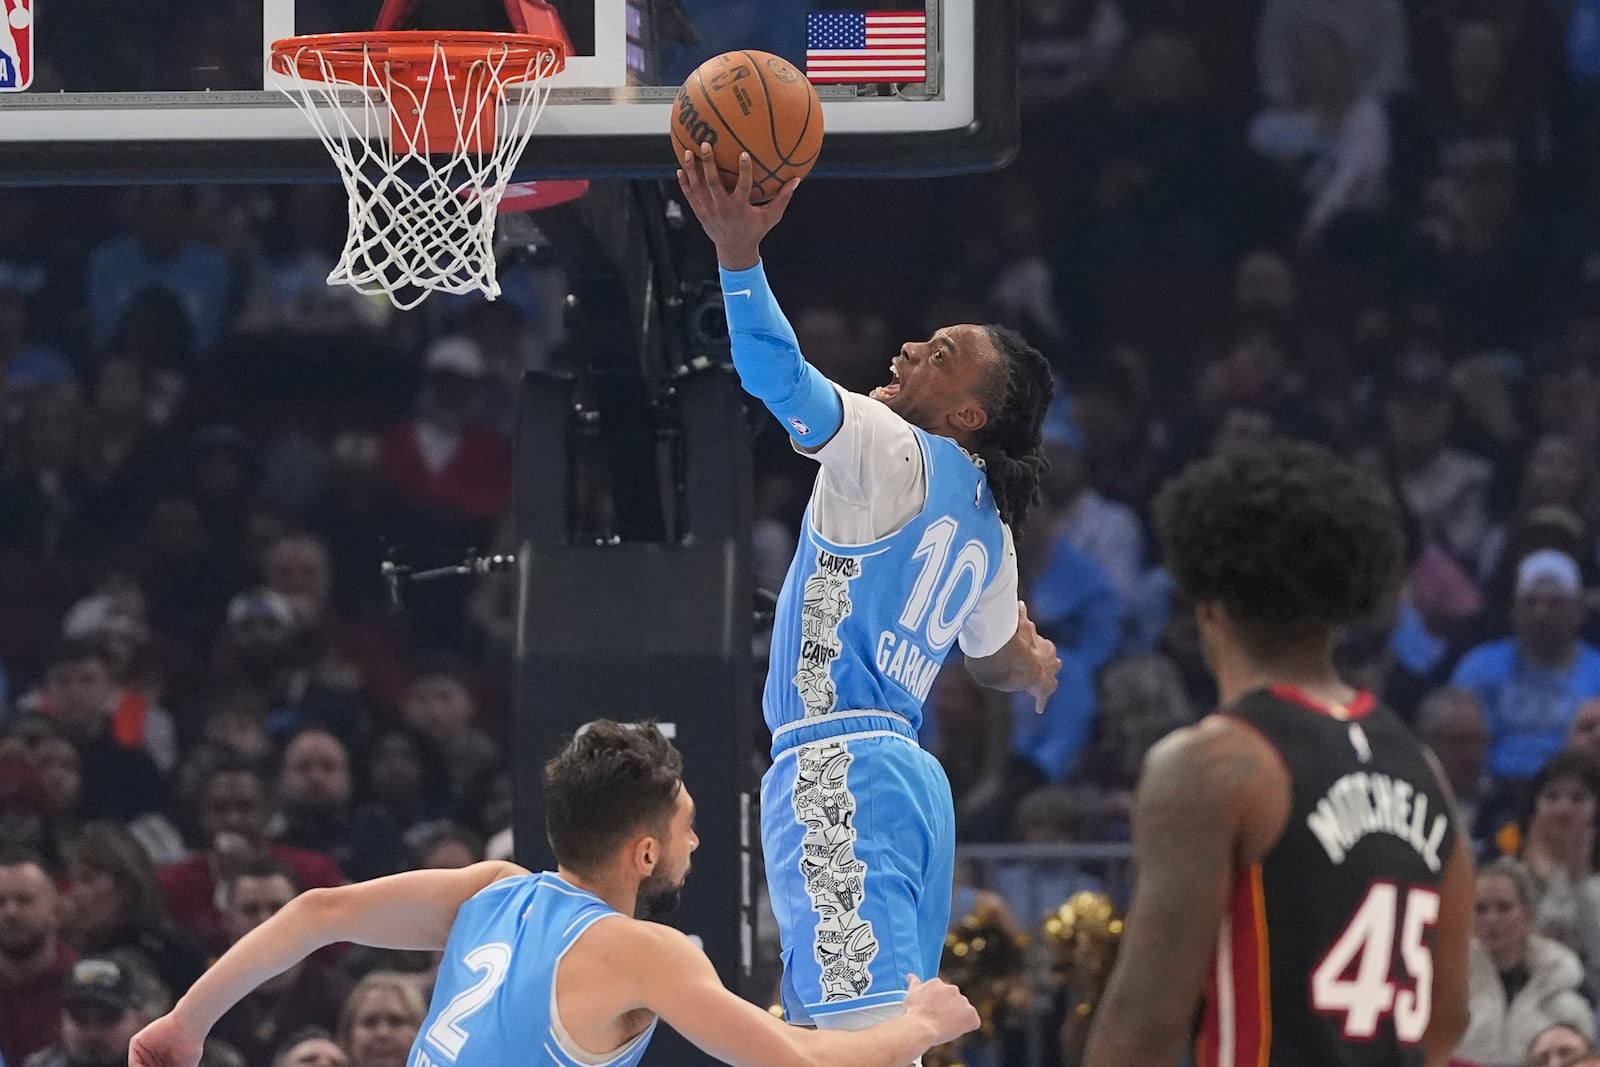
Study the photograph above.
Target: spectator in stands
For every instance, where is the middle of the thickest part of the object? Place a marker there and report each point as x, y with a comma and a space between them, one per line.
187, 576
1107, 530
1531, 683
60, 771
443, 844
1445, 488
1073, 603
1375, 30
234, 815
1520, 982
346, 655
1482, 110
440, 706
222, 468
1559, 1046
1451, 723
114, 737
24, 818
114, 903
125, 457
263, 659
313, 1047
447, 456
1558, 850
406, 777
87, 683
380, 1020
159, 251
106, 1001
309, 994
34, 960
1474, 255
1584, 736
1142, 699
44, 494
315, 797
1331, 135
1554, 475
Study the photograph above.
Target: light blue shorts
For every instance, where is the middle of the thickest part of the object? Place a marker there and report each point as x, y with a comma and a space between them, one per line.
858, 830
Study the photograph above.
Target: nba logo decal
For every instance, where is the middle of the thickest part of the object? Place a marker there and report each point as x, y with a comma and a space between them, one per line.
16, 45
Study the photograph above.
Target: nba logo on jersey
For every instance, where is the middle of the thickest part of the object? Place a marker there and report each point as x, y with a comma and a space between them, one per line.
16, 45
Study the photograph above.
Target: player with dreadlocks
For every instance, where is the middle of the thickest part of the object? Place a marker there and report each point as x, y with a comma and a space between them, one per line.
906, 551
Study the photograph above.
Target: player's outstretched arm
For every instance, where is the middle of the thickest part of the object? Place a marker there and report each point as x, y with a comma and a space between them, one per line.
1199, 788
414, 910
766, 352
1028, 662
679, 984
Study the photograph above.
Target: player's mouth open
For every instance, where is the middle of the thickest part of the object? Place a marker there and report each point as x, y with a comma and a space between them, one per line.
888, 392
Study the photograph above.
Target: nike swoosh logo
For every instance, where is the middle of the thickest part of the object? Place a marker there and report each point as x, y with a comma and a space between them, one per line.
736, 292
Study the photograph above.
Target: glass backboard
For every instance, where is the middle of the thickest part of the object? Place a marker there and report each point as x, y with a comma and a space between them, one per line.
181, 91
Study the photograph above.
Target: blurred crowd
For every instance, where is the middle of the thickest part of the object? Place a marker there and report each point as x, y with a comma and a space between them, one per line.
1371, 223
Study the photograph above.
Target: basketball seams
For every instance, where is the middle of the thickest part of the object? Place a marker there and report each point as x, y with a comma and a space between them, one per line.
772, 117
755, 160
694, 150
700, 111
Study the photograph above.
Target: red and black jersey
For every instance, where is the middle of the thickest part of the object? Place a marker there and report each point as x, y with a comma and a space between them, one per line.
1326, 954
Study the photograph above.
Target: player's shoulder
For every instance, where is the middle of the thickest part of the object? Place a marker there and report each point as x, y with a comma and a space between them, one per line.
1220, 754
627, 940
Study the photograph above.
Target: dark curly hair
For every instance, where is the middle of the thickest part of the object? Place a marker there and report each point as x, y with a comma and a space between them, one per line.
1011, 443
1291, 540
612, 780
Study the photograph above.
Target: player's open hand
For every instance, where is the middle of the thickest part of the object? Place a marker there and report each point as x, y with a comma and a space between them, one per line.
165, 1043
941, 1005
1047, 664
734, 224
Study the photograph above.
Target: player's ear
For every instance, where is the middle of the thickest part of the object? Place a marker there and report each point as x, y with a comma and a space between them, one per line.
969, 417
645, 853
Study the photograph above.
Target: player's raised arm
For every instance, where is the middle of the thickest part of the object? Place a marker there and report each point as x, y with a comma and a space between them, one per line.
694, 1002
1201, 794
766, 352
413, 910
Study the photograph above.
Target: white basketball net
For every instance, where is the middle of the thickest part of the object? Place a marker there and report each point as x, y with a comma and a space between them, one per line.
422, 215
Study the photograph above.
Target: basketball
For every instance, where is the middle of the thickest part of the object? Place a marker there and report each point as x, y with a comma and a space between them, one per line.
752, 102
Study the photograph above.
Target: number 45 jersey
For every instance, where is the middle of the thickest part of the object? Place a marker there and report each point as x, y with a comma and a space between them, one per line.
494, 1003
867, 626
1326, 955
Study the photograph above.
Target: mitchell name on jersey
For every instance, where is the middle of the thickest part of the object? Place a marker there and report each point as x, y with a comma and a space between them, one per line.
1365, 802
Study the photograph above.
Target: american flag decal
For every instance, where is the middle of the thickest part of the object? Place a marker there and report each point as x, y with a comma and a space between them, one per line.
872, 46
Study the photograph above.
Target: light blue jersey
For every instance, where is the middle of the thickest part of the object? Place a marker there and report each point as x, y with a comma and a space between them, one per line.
866, 627
494, 1001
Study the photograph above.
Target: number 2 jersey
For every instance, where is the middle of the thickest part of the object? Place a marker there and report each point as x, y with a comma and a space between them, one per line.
864, 622
494, 1003
1326, 954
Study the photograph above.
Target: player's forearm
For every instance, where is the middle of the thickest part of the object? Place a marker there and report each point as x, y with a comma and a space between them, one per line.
413, 910
766, 353
1119, 1038
894, 1043
304, 925
1009, 670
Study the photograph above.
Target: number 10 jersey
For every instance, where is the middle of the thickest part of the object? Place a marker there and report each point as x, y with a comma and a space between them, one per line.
866, 627
1326, 954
